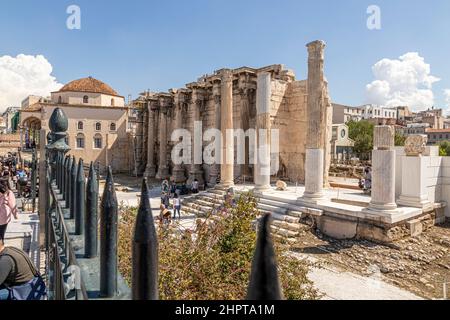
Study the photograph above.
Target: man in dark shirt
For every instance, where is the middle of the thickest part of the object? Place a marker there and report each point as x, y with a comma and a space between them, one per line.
16, 269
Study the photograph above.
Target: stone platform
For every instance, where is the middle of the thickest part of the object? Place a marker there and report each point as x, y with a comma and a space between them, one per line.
344, 214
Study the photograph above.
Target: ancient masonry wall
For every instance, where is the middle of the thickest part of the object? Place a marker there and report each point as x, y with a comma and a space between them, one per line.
202, 99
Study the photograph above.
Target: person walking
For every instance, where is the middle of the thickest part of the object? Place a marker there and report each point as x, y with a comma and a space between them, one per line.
19, 278
8, 207
176, 207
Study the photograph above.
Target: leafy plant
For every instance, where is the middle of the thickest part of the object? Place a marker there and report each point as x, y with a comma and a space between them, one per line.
213, 261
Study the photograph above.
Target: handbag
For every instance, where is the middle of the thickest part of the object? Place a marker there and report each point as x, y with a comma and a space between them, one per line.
35, 289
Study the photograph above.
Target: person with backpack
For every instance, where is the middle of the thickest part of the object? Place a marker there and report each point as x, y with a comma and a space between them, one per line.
19, 278
8, 207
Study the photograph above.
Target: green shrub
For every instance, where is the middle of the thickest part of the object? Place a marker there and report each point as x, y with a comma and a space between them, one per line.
213, 262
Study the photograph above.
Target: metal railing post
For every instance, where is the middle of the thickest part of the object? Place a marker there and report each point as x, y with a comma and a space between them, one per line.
73, 191
91, 221
145, 252
67, 189
79, 200
264, 281
108, 239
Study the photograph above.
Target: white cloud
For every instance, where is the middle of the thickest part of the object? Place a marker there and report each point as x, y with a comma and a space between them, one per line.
403, 81
22, 76
447, 97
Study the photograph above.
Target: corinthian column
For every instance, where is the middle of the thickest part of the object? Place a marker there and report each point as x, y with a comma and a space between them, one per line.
178, 171
226, 125
163, 169
262, 166
215, 169
150, 170
196, 171
316, 130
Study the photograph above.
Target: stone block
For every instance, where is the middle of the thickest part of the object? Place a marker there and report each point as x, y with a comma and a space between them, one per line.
383, 137
415, 227
415, 145
337, 228
281, 185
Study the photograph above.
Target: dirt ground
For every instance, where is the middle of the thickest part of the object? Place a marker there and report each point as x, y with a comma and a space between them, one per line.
420, 265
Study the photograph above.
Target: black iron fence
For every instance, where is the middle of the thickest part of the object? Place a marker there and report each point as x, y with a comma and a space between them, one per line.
81, 240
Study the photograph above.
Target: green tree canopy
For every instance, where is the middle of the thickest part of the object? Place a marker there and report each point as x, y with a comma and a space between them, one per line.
362, 133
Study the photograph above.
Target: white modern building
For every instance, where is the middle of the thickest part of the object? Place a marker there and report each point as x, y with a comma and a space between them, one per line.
371, 111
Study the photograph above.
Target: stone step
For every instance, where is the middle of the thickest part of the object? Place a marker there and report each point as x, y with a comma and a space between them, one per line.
282, 239
281, 204
284, 232
285, 217
295, 227
272, 209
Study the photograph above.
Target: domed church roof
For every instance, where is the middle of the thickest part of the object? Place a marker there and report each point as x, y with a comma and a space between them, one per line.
90, 85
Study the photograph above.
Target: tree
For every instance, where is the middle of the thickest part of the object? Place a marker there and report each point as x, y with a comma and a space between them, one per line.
399, 139
444, 149
362, 133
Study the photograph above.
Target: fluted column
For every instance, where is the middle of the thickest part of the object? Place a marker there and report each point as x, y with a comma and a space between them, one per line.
316, 113
178, 171
196, 171
262, 166
150, 170
163, 169
226, 125
383, 170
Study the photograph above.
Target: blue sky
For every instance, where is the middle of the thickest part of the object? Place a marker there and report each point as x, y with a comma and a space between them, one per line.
137, 45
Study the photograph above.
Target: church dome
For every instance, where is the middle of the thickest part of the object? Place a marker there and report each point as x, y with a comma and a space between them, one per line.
90, 85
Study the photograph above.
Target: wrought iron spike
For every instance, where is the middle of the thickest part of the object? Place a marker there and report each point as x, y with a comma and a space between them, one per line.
264, 282
68, 184
63, 177
145, 251
91, 223
108, 239
73, 189
80, 197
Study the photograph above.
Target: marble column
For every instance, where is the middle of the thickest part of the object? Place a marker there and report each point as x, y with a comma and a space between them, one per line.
178, 171
196, 171
245, 123
414, 174
383, 170
226, 126
163, 169
215, 168
316, 130
150, 170
262, 165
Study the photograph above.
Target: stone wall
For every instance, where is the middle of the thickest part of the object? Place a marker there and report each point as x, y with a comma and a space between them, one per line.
288, 114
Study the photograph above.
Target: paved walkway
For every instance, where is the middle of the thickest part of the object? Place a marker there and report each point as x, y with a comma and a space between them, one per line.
336, 284
24, 234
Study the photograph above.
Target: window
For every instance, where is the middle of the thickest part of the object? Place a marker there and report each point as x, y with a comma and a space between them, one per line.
112, 126
80, 141
112, 102
80, 125
98, 126
97, 141
85, 99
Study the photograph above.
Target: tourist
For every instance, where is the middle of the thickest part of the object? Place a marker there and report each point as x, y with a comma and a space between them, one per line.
8, 207
195, 186
165, 200
176, 207
22, 181
19, 278
173, 189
